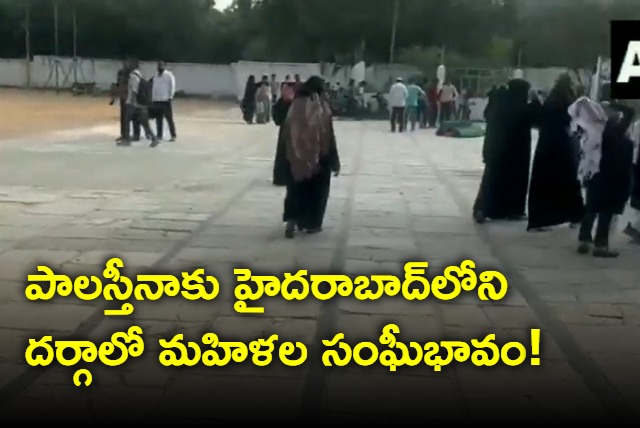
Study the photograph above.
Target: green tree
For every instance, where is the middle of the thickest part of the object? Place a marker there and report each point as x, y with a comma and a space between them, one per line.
489, 32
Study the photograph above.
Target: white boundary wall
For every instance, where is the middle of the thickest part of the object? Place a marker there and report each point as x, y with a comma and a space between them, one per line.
210, 80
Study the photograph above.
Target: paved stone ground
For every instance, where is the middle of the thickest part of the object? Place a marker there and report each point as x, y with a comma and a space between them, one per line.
207, 200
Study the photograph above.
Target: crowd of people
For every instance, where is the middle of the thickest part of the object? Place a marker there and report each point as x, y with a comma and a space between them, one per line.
142, 99
260, 97
424, 104
582, 172
413, 104
255, 106
585, 169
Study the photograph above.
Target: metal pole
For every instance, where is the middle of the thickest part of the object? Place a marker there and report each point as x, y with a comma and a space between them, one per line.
75, 47
519, 58
394, 29
27, 42
56, 45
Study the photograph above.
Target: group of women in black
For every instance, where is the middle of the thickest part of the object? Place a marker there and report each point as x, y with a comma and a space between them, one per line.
257, 99
552, 194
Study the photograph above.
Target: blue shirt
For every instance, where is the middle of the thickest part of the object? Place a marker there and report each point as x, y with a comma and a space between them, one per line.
415, 92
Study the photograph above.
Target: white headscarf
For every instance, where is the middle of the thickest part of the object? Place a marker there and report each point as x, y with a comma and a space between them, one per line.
591, 118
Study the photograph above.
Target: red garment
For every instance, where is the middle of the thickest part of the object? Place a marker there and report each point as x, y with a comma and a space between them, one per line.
433, 94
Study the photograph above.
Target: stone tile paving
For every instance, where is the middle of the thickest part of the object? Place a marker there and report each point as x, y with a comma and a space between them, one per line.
207, 200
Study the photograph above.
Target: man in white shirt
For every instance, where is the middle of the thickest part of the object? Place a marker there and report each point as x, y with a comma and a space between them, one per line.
448, 97
398, 95
164, 89
275, 88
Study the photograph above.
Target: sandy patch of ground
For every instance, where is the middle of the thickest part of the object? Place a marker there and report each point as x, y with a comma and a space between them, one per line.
31, 112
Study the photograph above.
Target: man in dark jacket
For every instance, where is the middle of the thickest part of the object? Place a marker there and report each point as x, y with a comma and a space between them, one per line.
633, 228
119, 91
137, 105
609, 190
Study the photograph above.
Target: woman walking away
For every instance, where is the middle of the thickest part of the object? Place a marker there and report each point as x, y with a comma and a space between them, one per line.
519, 118
490, 201
606, 165
555, 196
311, 155
281, 167
248, 105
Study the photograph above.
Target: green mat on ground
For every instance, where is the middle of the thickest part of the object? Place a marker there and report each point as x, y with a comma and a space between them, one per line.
461, 129
470, 132
456, 124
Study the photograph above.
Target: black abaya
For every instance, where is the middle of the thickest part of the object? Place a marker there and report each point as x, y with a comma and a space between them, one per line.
555, 195
248, 104
516, 157
281, 167
635, 192
489, 201
305, 202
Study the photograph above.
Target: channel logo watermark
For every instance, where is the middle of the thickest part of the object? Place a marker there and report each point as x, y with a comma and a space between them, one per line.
625, 60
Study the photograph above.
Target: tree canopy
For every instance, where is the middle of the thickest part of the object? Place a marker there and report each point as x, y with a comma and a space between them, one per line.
491, 32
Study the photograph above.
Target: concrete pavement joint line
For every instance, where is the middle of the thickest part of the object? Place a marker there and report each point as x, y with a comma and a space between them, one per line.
313, 394
459, 395
595, 380
23, 381
208, 326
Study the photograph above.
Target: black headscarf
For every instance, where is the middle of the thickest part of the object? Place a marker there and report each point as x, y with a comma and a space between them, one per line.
519, 91
496, 106
314, 85
562, 92
250, 89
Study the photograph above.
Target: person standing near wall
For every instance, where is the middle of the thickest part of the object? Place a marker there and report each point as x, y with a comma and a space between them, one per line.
432, 103
137, 103
263, 101
413, 101
463, 112
164, 89
448, 96
119, 91
398, 95
275, 88
423, 110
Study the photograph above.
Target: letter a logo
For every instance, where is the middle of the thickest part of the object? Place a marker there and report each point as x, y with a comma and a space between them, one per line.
625, 60
631, 63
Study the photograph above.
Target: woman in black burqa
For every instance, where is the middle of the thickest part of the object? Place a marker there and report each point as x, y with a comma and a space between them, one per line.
281, 167
522, 115
306, 157
506, 153
488, 202
248, 104
555, 196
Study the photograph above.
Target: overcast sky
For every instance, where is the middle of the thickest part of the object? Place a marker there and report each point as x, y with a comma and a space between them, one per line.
223, 4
